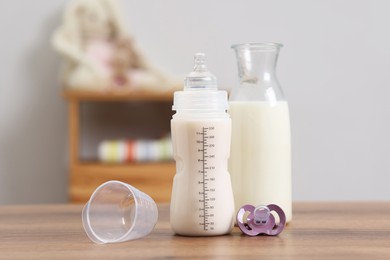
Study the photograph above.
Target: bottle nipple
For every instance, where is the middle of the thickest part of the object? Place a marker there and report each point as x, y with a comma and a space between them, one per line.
200, 78
200, 62
200, 90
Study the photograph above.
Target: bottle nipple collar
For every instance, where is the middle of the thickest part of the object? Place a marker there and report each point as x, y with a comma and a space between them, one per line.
260, 220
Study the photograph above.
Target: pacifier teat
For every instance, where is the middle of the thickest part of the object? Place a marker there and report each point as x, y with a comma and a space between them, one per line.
260, 220
261, 215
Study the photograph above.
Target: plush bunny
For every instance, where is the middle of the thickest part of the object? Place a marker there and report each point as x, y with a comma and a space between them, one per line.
98, 52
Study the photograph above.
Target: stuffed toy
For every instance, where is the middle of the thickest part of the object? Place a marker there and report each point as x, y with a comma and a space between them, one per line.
98, 52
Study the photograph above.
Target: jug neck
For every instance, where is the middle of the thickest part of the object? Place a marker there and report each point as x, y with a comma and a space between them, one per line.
256, 61
257, 70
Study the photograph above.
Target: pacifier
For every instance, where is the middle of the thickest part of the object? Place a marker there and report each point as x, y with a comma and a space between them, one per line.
260, 220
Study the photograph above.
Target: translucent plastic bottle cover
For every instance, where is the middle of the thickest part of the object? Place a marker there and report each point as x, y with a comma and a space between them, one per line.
202, 201
260, 162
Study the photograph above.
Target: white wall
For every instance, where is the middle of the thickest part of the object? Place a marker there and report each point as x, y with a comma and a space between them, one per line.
32, 115
334, 69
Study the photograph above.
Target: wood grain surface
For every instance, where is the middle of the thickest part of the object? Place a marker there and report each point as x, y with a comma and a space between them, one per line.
318, 231
118, 95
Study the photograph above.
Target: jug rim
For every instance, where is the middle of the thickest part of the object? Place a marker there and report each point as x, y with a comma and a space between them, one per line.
258, 45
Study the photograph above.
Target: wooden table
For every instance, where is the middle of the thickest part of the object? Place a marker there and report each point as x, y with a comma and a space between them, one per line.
318, 231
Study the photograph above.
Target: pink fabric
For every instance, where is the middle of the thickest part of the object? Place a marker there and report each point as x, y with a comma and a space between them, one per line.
101, 53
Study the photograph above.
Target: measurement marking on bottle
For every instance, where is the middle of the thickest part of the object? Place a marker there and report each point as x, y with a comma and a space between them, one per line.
206, 193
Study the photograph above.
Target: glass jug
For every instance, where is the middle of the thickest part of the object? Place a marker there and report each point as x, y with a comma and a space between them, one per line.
260, 160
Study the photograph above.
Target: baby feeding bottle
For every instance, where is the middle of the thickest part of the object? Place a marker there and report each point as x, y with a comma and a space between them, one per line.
202, 201
260, 161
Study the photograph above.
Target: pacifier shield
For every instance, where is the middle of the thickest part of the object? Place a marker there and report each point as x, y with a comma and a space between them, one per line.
260, 220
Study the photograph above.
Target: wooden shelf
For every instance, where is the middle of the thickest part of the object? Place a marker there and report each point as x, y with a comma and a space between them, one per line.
118, 95
155, 179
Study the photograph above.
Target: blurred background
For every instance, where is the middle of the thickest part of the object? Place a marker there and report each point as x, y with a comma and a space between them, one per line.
334, 70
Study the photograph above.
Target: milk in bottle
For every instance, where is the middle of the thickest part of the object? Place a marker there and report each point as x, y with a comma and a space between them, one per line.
260, 161
202, 201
